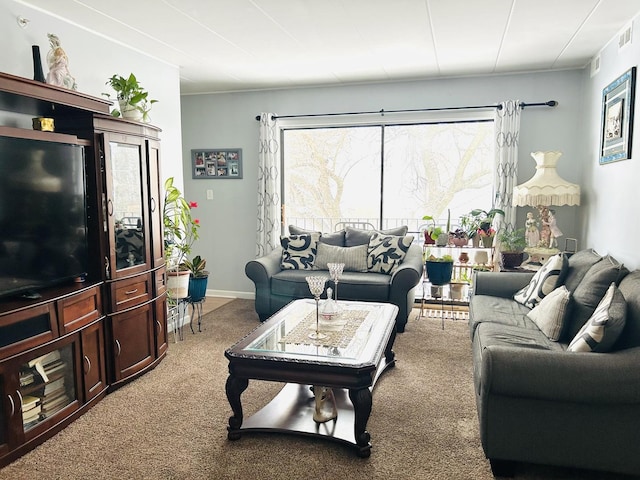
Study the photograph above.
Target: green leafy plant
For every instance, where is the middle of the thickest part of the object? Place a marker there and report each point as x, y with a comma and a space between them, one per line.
478, 219
130, 92
435, 231
512, 240
197, 267
180, 228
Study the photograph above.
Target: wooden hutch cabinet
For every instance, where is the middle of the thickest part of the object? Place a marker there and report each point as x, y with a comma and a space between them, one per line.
70, 341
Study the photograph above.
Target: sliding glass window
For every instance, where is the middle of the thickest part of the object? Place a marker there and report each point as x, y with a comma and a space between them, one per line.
386, 175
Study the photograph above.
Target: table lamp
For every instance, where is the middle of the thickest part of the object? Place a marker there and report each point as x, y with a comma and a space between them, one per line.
545, 189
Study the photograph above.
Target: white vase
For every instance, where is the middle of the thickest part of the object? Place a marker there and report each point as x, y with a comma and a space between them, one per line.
481, 257
178, 283
129, 111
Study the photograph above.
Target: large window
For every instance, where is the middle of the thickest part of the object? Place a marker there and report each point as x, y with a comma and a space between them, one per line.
386, 175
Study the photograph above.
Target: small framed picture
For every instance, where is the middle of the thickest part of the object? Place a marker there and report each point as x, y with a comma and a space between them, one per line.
617, 118
216, 163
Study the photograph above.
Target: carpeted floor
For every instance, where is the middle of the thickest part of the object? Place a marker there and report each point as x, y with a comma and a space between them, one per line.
171, 423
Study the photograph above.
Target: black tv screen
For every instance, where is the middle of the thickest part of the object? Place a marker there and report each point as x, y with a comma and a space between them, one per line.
43, 223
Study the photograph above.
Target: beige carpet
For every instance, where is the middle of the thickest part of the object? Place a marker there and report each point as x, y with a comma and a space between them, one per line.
171, 423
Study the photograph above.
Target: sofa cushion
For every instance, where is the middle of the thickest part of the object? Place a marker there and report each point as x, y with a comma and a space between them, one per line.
335, 238
579, 264
386, 252
358, 236
491, 334
550, 275
605, 325
589, 292
549, 315
498, 310
354, 258
299, 251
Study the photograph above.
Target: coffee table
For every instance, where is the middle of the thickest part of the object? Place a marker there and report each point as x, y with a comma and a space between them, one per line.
349, 361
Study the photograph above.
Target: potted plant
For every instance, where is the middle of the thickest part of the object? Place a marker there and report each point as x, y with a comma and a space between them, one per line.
180, 232
198, 277
133, 100
438, 235
512, 244
477, 220
439, 269
459, 237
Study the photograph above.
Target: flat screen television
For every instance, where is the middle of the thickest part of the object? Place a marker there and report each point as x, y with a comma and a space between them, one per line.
43, 221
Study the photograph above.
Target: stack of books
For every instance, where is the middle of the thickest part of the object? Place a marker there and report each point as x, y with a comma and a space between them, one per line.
43, 378
31, 409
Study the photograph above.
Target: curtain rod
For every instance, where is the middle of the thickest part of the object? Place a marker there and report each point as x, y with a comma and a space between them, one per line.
550, 103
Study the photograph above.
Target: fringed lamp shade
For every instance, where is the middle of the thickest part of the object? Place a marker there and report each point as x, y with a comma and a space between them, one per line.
546, 188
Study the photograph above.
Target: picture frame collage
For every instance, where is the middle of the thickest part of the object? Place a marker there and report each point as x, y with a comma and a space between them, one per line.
216, 163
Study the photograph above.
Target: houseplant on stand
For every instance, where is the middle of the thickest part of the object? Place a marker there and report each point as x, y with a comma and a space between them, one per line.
180, 232
198, 278
478, 220
512, 244
133, 100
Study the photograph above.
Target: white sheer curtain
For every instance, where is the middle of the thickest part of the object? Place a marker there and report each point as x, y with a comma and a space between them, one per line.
507, 124
269, 215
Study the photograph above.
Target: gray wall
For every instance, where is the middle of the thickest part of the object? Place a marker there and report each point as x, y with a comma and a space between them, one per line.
609, 218
92, 61
228, 120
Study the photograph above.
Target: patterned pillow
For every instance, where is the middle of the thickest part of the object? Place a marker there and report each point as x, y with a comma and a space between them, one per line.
550, 313
354, 258
386, 252
605, 325
299, 251
550, 275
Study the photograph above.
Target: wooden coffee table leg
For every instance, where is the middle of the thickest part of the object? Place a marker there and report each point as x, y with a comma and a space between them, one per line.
361, 400
234, 388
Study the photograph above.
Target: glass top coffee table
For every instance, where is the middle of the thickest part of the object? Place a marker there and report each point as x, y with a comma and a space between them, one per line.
357, 350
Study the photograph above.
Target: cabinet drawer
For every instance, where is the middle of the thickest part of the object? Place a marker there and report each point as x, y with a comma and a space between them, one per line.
130, 292
160, 281
27, 329
79, 310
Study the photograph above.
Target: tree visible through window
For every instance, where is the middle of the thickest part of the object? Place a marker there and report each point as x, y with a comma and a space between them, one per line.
387, 175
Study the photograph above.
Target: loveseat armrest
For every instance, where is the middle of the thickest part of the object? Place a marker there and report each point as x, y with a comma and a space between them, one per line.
402, 283
260, 272
603, 378
500, 284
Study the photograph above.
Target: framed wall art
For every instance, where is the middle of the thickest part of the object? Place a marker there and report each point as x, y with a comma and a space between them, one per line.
617, 118
216, 163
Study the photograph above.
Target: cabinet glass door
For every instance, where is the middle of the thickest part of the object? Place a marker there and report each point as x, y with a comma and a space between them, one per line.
127, 209
47, 385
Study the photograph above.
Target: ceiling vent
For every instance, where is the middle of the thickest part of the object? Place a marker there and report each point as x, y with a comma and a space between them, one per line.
625, 37
595, 65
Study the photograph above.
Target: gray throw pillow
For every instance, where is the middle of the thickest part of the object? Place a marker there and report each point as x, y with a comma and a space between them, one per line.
299, 251
579, 264
354, 258
605, 325
590, 291
335, 238
386, 252
550, 313
545, 281
358, 236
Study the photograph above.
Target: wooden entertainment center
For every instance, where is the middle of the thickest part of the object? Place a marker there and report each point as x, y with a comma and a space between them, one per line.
64, 349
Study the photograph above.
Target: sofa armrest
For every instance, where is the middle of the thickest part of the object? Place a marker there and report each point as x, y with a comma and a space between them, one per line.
260, 272
500, 284
611, 378
408, 274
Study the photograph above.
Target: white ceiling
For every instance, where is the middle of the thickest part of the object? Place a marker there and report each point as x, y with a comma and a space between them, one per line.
235, 45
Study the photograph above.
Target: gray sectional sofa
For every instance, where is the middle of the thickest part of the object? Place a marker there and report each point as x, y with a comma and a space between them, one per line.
279, 276
537, 400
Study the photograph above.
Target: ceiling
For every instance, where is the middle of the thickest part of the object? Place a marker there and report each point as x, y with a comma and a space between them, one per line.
238, 45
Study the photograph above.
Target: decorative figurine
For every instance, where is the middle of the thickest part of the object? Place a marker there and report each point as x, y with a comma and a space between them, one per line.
59, 65
324, 396
532, 234
554, 231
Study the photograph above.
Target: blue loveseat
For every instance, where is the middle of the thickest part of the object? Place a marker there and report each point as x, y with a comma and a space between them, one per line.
276, 286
